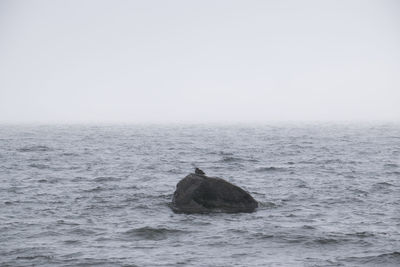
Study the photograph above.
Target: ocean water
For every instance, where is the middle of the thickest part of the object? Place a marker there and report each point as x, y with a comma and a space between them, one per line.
86, 195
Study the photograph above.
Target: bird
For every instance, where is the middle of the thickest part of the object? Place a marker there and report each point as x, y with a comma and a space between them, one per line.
199, 172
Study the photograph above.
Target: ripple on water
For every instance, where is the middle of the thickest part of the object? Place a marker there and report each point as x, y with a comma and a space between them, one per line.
34, 148
151, 233
382, 187
330, 203
384, 259
391, 165
361, 234
39, 166
82, 232
267, 205
270, 169
233, 159
101, 179
34, 257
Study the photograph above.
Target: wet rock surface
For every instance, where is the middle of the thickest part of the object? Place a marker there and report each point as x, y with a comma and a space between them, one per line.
201, 194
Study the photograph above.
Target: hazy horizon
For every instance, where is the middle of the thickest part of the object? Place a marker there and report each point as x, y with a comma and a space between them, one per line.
162, 62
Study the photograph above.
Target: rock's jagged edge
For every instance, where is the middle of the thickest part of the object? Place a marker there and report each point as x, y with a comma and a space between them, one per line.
202, 194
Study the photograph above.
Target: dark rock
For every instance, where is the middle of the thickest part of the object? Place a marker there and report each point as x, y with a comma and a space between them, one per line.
201, 194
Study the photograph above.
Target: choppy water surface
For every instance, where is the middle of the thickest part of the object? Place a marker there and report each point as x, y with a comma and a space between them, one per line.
98, 195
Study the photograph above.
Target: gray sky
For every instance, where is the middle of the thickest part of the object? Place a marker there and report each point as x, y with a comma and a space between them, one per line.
199, 61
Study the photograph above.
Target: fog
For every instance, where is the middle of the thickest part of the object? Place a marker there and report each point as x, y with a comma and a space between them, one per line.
199, 61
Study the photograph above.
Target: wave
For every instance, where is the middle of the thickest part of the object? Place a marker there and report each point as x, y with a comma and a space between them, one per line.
95, 189
269, 169
39, 166
358, 192
391, 165
151, 233
232, 159
175, 171
33, 257
82, 232
384, 259
339, 161
267, 204
71, 242
45, 234
222, 153
69, 154
79, 179
382, 186
106, 179
328, 241
330, 162
312, 239
361, 234
263, 236
35, 148
63, 222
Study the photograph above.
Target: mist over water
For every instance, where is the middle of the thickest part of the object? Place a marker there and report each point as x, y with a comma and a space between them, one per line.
84, 195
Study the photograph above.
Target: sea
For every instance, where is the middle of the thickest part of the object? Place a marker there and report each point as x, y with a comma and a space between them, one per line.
100, 195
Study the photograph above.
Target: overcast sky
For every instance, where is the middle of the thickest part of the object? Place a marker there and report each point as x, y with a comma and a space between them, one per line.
199, 61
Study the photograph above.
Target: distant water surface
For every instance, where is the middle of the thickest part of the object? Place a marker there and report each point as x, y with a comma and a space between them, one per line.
99, 195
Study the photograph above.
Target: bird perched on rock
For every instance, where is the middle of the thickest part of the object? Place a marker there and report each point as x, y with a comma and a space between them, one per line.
199, 172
